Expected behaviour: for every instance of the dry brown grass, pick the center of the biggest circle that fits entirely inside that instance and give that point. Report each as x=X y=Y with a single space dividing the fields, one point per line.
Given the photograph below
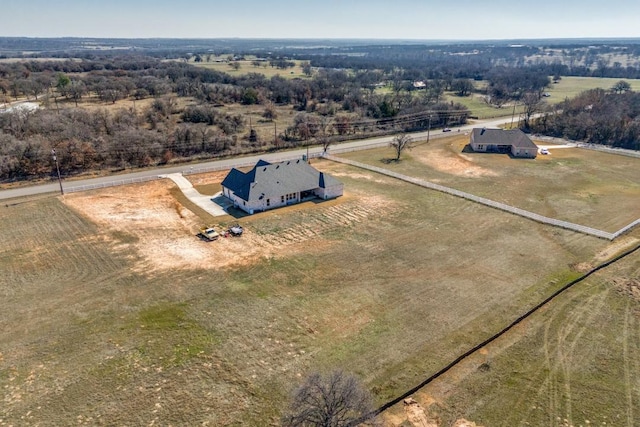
x=114 y=313
x=591 y=188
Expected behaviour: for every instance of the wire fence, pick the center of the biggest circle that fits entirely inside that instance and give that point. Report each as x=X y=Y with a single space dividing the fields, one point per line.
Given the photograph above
x=114 y=183
x=487 y=202
x=594 y=147
x=186 y=171
x=417 y=181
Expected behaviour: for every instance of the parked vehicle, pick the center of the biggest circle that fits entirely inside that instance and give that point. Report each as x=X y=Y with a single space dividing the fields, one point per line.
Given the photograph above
x=544 y=151
x=209 y=234
x=236 y=230
x=446 y=130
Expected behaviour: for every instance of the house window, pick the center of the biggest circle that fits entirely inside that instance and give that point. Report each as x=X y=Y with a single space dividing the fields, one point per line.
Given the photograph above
x=282 y=199
x=268 y=202
x=480 y=146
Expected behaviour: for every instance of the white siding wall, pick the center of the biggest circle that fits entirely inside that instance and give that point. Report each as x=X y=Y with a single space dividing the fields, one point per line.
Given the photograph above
x=330 y=192
x=277 y=202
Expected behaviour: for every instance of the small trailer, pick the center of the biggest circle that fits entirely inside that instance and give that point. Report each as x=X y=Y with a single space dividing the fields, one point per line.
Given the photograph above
x=236 y=230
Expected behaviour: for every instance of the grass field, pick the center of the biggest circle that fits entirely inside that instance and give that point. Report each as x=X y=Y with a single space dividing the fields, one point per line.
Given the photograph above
x=391 y=282
x=570 y=87
x=246 y=67
x=595 y=189
x=479 y=108
x=563 y=369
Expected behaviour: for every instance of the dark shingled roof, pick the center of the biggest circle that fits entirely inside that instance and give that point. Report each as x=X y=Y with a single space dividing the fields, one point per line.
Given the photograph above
x=277 y=179
x=513 y=137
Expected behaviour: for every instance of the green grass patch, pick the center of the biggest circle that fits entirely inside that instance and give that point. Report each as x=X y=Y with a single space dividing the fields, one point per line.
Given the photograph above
x=479 y=108
x=570 y=87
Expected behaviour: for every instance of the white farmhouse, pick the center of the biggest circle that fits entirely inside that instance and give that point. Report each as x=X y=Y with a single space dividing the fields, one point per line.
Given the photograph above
x=272 y=185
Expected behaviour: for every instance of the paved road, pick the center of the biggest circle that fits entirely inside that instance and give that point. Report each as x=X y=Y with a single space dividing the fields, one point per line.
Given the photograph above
x=54 y=187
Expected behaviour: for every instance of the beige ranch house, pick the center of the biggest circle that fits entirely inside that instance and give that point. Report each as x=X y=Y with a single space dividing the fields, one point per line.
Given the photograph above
x=512 y=141
x=272 y=185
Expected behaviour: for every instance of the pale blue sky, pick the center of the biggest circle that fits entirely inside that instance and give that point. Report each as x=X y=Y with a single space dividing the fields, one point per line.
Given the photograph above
x=388 y=19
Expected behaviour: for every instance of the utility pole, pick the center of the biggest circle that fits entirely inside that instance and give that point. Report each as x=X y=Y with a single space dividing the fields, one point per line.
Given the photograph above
x=513 y=114
x=55 y=159
x=429 y=129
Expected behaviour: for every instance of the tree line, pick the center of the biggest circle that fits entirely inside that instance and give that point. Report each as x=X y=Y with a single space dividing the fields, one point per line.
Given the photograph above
x=597 y=116
x=331 y=104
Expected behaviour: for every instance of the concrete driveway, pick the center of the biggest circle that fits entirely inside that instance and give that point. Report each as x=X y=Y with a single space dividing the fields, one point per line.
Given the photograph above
x=215 y=205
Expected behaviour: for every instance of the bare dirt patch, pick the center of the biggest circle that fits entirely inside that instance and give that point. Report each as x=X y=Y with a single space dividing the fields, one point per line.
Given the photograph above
x=610 y=251
x=628 y=287
x=360 y=176
x=416 y=415
x=454 y=164
x=616 y=247
x=148 y=219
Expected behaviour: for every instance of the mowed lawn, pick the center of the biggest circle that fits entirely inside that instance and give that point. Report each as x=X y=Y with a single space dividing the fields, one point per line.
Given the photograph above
x=591 y=188
x=390 y=282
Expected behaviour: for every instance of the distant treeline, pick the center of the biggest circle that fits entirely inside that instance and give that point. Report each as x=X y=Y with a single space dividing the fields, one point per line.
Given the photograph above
x=477 y=61
x=329 y=105
x=348 y=91
x=598 y=117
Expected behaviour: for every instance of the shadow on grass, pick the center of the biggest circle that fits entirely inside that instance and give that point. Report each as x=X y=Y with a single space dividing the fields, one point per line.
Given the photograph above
x=467 y=149
x=388 y=161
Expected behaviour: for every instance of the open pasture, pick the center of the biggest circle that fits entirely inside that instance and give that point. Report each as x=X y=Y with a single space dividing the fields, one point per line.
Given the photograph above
x=573 y=363
x=223 y=65
x=112 y=312
x=570 y=87
x=587 y=187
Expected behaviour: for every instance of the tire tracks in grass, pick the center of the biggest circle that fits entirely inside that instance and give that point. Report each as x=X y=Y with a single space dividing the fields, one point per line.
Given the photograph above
x=494 y=337
x=628 y=386
x=550 y=379
x=591 y=308
x=636 y=337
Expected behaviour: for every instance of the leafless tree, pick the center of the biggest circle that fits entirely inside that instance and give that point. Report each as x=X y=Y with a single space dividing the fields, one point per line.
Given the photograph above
x=335 y=400
x=270 y=112
x=76 y=90
x=533 y=103
x=400 y=143
x=325 y=141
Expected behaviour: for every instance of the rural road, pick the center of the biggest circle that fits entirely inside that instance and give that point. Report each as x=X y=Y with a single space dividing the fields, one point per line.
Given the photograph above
x=233 y=162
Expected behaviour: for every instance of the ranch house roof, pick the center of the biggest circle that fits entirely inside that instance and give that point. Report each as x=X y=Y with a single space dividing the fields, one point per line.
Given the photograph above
x=276 y=179
x=512 y=137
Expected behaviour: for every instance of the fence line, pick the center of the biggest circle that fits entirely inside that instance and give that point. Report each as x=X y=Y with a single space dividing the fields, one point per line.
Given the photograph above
x=589 y=146
x=487 y=202
x=115 y=183
x=490 y=340
x=627 y=228
x=189 y=171
x=420 y=182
